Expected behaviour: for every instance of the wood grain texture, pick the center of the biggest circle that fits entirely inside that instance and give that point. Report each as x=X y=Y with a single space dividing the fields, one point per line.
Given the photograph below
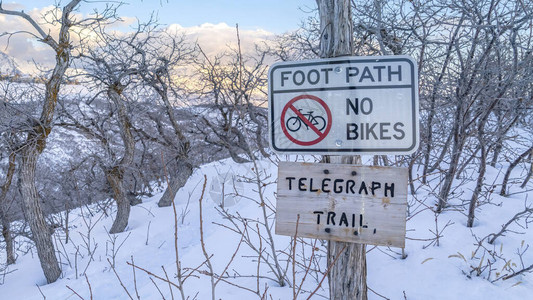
x=334 y=204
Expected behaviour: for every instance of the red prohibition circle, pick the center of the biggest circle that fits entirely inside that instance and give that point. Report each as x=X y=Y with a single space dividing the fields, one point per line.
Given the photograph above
x=321 y=134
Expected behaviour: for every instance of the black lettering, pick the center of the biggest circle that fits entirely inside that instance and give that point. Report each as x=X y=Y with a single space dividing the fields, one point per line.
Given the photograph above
x=283 y=77
x=302 y=77
x=383 y=130
x=290 y=179
x=343 y=219
x=374 y=187
x=318 y=213
x=317 y=76
x=379 y=68
x=301 y=184
x=350 y=184
x=361 y=220
x=353 y=220
x=331 y=217
x=353 y=106
x=311 y=186
x=351 y=131
x=363 y=188
x=325 y=185
x=350 y=74
x=337 y=188
x=370 y=130
x=326 y=73
x=370 y=106
x=366 y=74
x=398 y=72
x=399 y=130
x=389 y=188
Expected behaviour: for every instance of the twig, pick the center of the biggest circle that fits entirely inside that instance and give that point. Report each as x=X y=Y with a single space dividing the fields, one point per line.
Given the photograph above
x=160 y=293
x=148 y=233
x=152 y=274
x=259 y=258
x=377 y=293
x=530 y=268
x=119 y=280
x=68 y=287
x=204 y=251
x=513 y=219
x=309 y=266
x=44 y=297
x=89 y=284
x=176 y=249
x=327 y=272
x=294 y=258
x=168 y=281
x=232 y=258
x=134 y=279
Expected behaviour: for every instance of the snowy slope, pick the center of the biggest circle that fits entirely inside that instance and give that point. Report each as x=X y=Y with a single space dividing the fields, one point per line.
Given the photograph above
x=430 y=270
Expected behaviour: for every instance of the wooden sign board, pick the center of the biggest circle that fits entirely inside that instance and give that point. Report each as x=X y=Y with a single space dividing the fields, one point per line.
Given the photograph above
x=358 y=204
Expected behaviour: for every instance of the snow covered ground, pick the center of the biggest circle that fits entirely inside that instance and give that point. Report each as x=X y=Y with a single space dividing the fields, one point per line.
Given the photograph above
x=446 y=268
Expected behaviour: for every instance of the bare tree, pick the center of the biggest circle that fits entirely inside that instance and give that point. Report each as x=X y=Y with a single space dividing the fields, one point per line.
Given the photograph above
x=36 y=138
x=10 y=125
x=233 y=88
x=157 y=66
x=481 y=83
x=8 y=146
x=112 y=64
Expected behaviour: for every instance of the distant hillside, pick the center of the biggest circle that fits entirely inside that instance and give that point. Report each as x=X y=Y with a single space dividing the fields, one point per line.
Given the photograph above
x=10 y=71
x=8 y=67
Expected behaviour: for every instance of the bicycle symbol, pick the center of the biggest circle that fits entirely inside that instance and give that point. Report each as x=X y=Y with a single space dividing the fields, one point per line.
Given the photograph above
x=295 y=123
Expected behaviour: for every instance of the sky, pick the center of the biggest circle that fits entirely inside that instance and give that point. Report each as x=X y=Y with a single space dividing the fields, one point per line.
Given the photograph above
x=211 y=22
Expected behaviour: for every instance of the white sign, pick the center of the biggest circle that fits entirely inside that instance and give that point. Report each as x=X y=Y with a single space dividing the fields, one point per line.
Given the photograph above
x=344 y=105
x=339 y=202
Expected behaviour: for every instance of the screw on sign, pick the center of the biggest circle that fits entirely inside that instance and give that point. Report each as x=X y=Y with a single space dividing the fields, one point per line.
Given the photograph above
x=306 y=120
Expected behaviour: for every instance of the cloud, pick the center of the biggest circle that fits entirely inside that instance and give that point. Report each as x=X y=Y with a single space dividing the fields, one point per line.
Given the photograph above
x=20 y=39
x=216 y=38
x=26 y=50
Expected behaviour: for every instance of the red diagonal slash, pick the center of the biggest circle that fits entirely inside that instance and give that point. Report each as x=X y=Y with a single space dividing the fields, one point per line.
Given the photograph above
x=306 y=121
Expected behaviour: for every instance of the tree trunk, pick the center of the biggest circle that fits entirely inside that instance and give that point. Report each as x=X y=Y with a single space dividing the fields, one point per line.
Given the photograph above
x=4 y=207
x=347 y=277
x=336 y=28
x=36 y=141
x=458 y=141
x=412 y=161
x=115 y=178
x=529 y=173
x=33 y=213
x=513 y=164
x=483 y=162
x=115 y=175
x=185 y=168
x=479 y=184
x=32 y=148
x=183 y=173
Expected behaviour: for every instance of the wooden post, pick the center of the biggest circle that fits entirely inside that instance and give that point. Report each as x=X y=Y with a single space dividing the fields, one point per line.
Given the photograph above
x=347 y=278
